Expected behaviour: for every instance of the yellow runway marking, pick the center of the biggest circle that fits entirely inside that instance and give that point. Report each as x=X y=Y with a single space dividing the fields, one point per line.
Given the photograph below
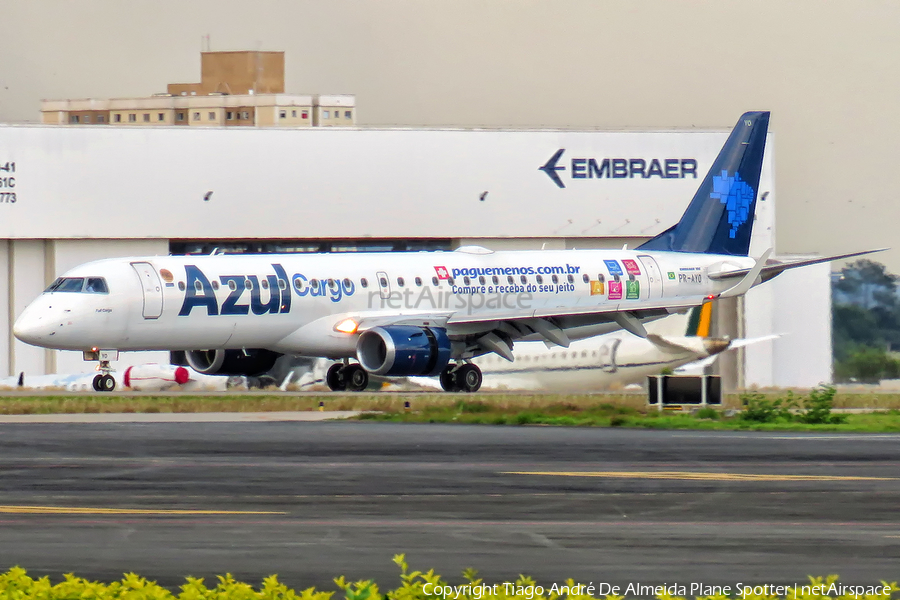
x=78 y=510
x=694 y=475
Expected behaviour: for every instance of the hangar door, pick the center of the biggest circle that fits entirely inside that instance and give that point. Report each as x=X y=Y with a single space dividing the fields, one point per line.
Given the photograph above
x=152 y=288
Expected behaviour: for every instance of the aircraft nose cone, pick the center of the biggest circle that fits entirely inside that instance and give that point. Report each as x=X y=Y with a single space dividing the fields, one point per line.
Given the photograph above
x=32 y=327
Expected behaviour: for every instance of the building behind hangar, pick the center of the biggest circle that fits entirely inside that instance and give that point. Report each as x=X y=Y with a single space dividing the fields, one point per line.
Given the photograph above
x=73 y=194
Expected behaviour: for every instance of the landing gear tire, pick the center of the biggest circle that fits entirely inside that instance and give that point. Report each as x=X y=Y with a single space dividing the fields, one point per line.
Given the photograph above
x=104 y=383
x=355 y=378
x=448 y=379
x=335 y=378
x=468 y=378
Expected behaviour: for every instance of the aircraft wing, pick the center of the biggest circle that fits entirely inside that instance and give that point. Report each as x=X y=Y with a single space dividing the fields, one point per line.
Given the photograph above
x=775 y=267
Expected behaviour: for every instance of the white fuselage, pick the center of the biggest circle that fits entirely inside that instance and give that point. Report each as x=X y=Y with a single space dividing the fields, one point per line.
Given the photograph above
x=606 y=362
x=291 y=303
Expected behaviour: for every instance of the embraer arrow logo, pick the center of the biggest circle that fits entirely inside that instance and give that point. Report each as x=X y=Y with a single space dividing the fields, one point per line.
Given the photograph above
x=550 y=168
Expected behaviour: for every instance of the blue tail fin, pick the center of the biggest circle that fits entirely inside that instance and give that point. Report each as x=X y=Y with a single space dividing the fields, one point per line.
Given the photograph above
x=720 y=217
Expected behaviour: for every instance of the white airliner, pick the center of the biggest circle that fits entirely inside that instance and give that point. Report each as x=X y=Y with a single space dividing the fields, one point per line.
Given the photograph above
x=146 y=377
x=410 y=314
x=612 y=360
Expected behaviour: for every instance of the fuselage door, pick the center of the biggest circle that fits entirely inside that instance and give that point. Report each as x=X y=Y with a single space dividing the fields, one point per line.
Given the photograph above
x=152 y=289
x=654 y=276
x=608 y=355
x=384 y=285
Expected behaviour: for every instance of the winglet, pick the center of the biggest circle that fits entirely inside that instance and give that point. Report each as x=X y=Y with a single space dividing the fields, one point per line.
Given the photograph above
x=747 y=282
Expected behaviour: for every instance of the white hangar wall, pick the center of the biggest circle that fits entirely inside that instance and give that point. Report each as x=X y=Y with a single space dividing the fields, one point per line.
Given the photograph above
x=83 y=193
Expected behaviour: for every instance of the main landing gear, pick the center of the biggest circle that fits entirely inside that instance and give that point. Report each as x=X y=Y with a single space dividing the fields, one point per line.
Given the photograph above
x=104 y=382
x=352 y=377
x=461 y=378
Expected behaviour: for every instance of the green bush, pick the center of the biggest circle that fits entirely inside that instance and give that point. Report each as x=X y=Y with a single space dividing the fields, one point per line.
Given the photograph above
x=416 y=585
x=757 y=409
x=708 y=413
x=817 y=407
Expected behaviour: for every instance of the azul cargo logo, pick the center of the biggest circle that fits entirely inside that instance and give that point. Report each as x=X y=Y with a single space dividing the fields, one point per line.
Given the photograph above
x=618 y=168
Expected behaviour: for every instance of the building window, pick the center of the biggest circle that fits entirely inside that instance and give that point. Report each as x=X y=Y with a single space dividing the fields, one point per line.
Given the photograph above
x=346 y=114
x=245 y=115
x=282 y=114
x=324 y=114
x=179 y=117
x=132 y=118
x=87 y=118
x=294 y=114
x=160 y=117
x=229 y=115
x=196 y=116
x=117 y=118
x=146 y=117
x=304 y=115
x=73 y=118
x=212 y=116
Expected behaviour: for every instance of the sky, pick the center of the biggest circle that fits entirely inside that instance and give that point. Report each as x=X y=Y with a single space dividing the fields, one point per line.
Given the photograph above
x=829 y=72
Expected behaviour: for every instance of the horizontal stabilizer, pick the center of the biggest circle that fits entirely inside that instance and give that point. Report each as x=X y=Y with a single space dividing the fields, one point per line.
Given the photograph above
x=775 y=267
x=668 y=346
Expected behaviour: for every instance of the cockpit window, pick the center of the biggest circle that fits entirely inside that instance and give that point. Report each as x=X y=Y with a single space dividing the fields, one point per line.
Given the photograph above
x=88 y=285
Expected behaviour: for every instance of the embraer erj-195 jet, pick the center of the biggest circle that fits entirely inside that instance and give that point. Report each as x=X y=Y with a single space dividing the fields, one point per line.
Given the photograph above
x=424 y=313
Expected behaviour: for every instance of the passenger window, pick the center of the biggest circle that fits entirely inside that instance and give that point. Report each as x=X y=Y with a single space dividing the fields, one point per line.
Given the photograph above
x=364 y=282
x=347 y=283
x=571 y=279
x=585 y=278
x=198 y=286
x=510 y=280
x=481 y=280
x=451 y=281
x=314 y=283
x=181 y=286
x=601 y=278
x=282 y=284
x=555 y=279
x=400 y=281
x=332 y=283
x=298 y=284
x=248 y=284
x=383 y=282
x=539 y=279
x=215 y=285
x=233 y=286
x=265 y=284
x=523 y=279
x=419 y=281
x=496 y=280
x=466 y=280
x=434 y=281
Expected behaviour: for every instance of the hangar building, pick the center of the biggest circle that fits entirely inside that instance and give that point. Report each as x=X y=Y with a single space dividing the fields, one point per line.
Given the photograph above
x=74 y=194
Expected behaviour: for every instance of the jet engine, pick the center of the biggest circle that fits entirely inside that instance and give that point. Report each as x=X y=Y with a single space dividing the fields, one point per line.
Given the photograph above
x=404 y=350
x=231 y=362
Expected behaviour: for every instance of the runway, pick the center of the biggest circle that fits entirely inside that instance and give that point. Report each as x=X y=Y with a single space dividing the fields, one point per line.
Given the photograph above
x=311 y=501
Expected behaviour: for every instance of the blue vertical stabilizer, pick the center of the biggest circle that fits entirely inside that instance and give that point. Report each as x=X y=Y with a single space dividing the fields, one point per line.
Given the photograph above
x=720 y=217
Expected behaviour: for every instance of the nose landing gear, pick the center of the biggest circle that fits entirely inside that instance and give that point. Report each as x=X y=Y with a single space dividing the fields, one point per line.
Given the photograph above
x=104 y=381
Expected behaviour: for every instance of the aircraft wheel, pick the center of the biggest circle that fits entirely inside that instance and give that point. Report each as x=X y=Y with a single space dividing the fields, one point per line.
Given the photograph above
x=104 y=383
x=335 y=378
x=356 y=378
x=468 y=378
x=448 y=379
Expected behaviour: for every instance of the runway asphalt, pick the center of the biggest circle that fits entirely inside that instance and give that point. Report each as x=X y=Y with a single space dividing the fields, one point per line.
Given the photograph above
x=311 y=501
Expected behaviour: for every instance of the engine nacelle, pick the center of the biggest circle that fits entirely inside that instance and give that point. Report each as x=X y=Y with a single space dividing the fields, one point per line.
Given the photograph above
x=231 y=362
x=404 y=350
